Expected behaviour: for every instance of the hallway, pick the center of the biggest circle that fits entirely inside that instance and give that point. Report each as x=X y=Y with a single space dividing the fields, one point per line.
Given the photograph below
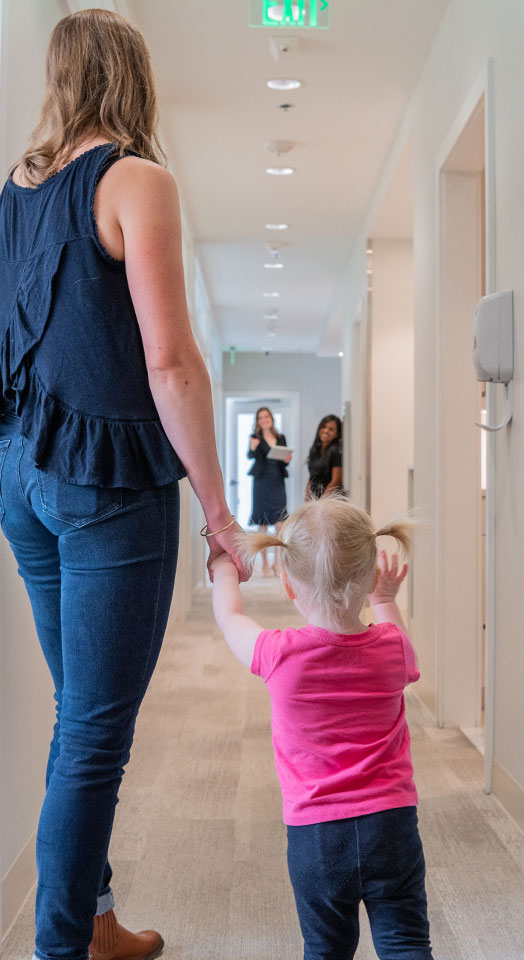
x=199 y=846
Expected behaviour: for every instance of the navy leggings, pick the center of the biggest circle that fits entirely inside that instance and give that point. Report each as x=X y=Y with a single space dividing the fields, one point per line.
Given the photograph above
x=377 y=859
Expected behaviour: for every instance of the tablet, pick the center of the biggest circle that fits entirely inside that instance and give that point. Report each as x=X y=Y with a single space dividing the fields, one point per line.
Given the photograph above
x=279 y=453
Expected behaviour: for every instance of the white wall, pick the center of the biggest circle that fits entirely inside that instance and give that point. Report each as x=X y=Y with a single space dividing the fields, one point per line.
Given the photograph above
x=392 y=373
x=316 y=379
x=472 y=31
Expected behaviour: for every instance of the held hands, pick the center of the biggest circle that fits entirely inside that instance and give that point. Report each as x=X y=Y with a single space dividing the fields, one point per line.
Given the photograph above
x=225 y=543
x=224 y=561
x=388 y=580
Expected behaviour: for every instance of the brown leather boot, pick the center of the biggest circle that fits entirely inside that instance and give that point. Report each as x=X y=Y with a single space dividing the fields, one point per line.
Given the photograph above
x=113 y=942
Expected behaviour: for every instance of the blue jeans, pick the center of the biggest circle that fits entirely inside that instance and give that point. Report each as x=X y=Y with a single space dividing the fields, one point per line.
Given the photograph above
x=99 y=567
x=376 y=858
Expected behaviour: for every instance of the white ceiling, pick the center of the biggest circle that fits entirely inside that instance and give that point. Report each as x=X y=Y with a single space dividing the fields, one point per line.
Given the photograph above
x=217 y=113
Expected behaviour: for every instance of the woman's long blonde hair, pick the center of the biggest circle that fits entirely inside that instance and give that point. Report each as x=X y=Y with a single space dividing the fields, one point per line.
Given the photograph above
x=257 y=431
x=329 y=546
x=99 y=81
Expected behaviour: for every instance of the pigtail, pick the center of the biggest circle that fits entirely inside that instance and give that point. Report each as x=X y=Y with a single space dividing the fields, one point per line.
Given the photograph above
x=402 y=531
x=249 y=544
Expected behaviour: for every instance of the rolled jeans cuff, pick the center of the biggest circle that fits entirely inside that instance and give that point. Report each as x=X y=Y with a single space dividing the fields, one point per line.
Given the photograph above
x=104 y=903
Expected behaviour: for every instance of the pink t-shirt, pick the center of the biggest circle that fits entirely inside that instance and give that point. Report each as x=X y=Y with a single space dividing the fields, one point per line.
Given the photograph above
x=340 y=735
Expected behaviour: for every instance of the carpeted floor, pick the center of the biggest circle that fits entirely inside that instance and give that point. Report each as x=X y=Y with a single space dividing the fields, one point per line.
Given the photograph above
x=198 y=849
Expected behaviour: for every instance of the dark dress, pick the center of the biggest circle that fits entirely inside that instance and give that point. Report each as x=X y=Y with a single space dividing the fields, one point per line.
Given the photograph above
x=269 y=490
x=321 y=468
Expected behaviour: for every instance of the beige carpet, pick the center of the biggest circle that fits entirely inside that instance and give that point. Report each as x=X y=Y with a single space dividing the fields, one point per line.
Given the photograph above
x=198 y=849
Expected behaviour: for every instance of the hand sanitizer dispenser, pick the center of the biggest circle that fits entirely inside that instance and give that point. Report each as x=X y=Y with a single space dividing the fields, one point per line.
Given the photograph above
x=493 y=345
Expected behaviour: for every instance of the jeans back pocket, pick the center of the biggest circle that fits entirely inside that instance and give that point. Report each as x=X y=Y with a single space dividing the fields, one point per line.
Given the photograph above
x=3 y=450
x=74 y=504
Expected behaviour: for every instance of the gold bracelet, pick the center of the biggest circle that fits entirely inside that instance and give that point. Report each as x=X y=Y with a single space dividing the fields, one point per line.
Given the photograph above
x=204 y=530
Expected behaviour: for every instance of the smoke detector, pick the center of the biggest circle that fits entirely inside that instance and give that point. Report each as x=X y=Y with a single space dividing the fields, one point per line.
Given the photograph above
x=282 y=48
x=279 y=147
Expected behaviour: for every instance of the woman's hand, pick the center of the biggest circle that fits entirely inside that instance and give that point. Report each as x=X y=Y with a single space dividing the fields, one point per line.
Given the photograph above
x=388 y=580
x=253 y=442
x=225 y=543
x=289 y=458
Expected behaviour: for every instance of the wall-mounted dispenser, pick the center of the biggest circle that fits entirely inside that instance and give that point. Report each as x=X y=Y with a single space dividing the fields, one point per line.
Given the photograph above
x=493 y=347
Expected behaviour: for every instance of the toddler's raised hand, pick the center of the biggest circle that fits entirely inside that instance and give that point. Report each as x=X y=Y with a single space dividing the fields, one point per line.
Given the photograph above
x=388 y=579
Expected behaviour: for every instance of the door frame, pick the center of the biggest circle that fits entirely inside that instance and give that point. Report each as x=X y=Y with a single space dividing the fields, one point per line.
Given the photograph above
x=484 y=90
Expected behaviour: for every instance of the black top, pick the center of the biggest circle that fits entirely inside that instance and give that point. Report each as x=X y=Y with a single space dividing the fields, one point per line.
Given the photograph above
x=321 y=467
x=72 y=362
x=260 y=456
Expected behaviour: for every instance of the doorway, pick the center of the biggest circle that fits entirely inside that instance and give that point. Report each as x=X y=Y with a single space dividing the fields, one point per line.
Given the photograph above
x=240 y=419
x=461 y=480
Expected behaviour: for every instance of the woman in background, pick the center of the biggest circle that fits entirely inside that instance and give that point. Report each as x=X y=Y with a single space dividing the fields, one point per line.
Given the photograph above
x=325 y=458
x=269 y=490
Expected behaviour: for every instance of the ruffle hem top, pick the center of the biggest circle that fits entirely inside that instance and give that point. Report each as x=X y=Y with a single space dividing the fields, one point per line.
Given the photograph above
x=72 y=364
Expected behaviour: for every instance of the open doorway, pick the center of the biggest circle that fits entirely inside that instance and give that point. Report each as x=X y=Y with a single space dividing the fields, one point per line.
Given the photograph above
x=462 y=477
x=240 y=419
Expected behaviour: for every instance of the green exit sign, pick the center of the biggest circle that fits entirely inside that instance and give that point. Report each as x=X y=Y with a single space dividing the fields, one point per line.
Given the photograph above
x=310 y=14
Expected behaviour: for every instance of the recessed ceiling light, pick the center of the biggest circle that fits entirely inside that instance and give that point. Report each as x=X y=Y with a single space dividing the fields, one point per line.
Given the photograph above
x=272 y=333
x=274 y=266
x=369 y=271
x=283 y=83
x=369 y=250
x=277 y=226
x=280 y=171
x=340 y=353
x=274 y=294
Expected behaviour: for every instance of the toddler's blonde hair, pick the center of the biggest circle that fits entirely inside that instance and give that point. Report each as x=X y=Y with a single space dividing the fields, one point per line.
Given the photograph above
x=329 y=545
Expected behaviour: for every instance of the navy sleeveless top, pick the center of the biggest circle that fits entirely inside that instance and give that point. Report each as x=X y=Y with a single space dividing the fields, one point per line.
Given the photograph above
x=72 y=364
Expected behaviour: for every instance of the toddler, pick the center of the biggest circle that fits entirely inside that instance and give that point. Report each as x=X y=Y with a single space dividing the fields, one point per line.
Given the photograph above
x=340 y=735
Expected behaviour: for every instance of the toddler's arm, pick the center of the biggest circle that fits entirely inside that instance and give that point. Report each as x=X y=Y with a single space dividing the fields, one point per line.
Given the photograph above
x=240 y=632
x=386 y=587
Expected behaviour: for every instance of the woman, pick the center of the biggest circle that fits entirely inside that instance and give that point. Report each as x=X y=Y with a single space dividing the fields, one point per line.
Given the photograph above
x=269 y=489
x=99 y=369
x=325 y=459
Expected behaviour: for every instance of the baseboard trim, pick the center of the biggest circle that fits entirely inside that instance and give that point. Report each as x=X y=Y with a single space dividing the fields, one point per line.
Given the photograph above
x=431 y=718
x=18 y=883
x=509 y=793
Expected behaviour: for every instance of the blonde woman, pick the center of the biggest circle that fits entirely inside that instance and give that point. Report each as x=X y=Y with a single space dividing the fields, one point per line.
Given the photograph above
x=339 y=729
x=269 y=489
x=99 y=369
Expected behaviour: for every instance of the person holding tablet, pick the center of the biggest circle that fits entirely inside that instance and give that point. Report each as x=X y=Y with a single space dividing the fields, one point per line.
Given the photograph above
x=269 y=490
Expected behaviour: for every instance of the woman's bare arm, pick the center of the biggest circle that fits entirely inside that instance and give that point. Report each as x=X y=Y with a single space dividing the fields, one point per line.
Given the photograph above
x=336 y=479
x=144 y=200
